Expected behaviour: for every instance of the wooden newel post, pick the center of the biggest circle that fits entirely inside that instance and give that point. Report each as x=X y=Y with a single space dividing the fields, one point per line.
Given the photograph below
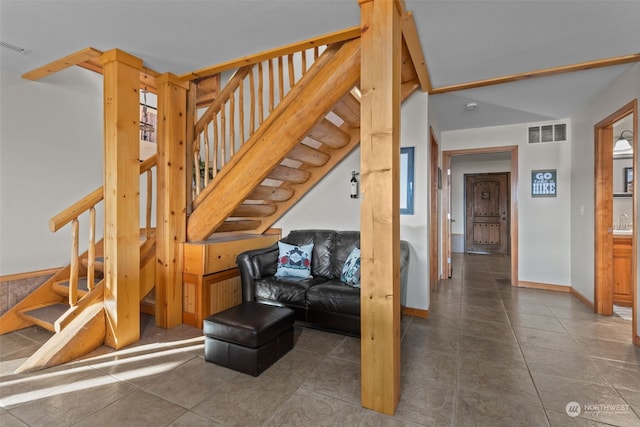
x=121 y=196
x=380 y=209
x=172 y=198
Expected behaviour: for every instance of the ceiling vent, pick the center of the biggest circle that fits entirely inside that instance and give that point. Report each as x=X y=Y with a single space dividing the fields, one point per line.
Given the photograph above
x=12 y=47
x=547 y=133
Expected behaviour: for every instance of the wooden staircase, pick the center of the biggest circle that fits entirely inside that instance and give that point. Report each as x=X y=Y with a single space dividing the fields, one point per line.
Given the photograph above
x=270 y=135
x=51 y=307
x=315 y=125
x=322 y=147
x=71 y=303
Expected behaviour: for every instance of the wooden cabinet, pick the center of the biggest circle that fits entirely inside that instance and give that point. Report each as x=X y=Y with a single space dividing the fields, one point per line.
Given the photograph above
x=211 y=280
x=622 y=290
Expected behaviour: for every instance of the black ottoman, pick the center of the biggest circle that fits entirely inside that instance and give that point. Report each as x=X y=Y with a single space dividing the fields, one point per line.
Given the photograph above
x=249 y=337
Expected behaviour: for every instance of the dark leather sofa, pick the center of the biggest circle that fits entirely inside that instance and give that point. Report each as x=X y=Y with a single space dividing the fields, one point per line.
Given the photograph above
x=321 y=300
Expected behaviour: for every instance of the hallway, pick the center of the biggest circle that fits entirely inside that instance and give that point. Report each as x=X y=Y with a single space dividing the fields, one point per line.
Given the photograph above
x=488 y=355
x=521 y=349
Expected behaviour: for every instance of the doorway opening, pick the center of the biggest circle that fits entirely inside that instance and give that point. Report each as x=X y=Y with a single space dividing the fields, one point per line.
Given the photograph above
x=508 y=153
x=616 y=240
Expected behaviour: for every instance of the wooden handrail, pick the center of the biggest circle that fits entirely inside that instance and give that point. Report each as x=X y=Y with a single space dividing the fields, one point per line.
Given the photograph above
x=335 y=37
x=148 y=163
x=69 y=214
x=72 y=212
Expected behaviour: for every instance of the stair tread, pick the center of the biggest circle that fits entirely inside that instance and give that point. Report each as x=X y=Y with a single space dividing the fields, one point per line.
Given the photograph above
x=82 y=283
x=48 y=313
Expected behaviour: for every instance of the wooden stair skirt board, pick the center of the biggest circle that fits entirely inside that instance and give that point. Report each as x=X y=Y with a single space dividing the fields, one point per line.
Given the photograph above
x=84 y=334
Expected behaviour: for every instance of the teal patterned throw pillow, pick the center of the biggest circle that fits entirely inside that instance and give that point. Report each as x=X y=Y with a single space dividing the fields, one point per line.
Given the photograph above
x=351 y=270
x=294 y=261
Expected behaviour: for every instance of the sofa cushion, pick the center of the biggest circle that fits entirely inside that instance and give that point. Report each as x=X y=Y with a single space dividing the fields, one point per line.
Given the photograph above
x=322 y=248
x=287 y=290
x=334 y=296
x=351 y=270
x=345 y=241
x=294 y=260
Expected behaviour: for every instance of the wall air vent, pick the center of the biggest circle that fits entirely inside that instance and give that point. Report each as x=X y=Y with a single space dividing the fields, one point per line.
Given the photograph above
x=547 y=133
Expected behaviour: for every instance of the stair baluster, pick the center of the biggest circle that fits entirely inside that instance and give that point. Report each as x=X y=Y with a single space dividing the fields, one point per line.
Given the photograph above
x=91 y=250
x=75 y=264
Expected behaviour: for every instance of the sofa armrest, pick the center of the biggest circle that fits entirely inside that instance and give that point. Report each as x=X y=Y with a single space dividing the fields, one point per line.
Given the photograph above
x=405 y=254
x=255 y=264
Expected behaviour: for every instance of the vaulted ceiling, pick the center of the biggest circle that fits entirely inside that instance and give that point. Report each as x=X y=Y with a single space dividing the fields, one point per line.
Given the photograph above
x=463 y=41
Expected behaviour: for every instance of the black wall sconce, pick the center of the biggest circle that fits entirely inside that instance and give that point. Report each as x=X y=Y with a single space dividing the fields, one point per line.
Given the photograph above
x=354 y=185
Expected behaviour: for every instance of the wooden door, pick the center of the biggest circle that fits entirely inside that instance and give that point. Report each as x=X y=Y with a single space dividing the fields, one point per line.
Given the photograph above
x=487 y=213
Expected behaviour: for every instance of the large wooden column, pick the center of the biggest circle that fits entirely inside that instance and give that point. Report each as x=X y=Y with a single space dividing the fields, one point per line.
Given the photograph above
x=171 y=220
x=121 y=196
x=380 y=209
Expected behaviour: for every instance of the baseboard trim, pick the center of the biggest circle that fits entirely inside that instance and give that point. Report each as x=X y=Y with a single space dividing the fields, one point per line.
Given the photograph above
x=544 y=286
x=415 y=312
x=557 y=288
x=29 y=274
x=582 y=298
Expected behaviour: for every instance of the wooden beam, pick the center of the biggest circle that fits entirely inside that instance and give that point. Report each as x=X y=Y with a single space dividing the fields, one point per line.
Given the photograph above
x=338 y=36
x=410 y=34
x=581 y=66
x=147 y=75
x=380 y=208
x=62 y=63
x=171 y=211
x=121 y=196
x=89 y=59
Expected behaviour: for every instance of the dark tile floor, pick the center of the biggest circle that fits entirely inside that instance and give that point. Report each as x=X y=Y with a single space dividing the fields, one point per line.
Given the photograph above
x=489 y=355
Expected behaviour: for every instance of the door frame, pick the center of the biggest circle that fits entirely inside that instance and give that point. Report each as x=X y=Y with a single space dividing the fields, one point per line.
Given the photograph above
x=603 y=237
x=434 y=208
x=446 y=204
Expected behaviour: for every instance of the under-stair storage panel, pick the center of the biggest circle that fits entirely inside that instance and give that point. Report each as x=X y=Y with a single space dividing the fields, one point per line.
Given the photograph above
x=211 y=280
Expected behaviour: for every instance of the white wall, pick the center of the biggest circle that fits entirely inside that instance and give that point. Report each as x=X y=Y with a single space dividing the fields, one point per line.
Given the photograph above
x=543 y=223
x=329 y=206
x=623 y=90
x=50 y=156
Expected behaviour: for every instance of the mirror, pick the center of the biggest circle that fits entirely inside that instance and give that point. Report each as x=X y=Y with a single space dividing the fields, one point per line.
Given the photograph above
x=623 y=145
